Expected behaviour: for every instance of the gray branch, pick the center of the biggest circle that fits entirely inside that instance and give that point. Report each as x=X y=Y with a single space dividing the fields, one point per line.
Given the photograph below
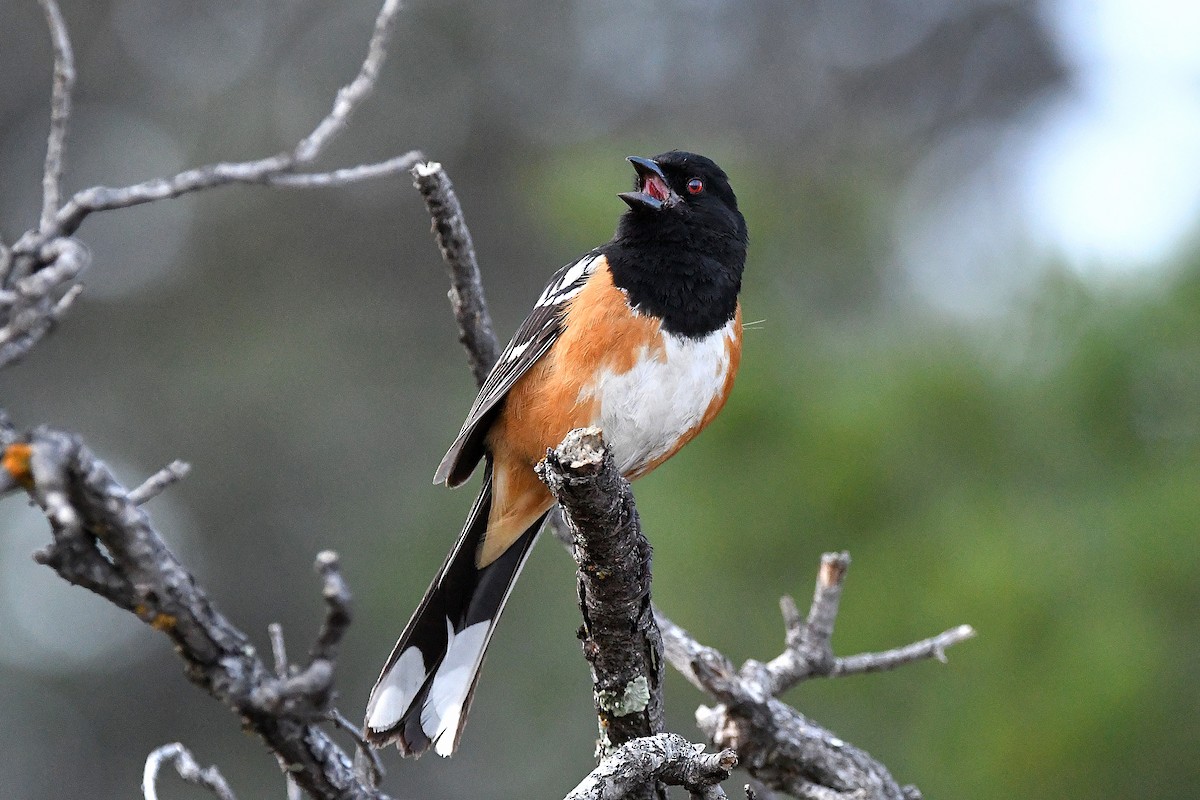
x=350 y=96
x=775 y=743
x=458 y=251
x=809 y=651
x=190 y=771
x=620 y=639
x=157 y=483
x=60 y=110
x=665 y=758
x=103 y=541
x=38 y=271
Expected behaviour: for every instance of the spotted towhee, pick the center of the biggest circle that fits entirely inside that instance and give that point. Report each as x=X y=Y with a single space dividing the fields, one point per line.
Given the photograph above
x=640 y=337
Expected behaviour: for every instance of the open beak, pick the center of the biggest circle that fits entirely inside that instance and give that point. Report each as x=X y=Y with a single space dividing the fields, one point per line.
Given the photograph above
x=653 y=193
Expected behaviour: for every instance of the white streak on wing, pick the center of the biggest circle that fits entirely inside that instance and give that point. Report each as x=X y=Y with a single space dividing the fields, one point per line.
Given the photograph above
x=644 y=411
x=516 y=351
x=452 y=683
x=396 y=690
x=555 y=294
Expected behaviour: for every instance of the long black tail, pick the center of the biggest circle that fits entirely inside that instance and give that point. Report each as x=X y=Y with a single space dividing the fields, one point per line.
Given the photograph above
x=424 y=692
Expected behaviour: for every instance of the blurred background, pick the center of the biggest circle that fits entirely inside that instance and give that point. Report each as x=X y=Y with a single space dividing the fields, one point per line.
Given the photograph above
x=975 y=262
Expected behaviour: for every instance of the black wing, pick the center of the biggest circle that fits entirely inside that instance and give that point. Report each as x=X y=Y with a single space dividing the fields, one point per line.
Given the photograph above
x=531 y=341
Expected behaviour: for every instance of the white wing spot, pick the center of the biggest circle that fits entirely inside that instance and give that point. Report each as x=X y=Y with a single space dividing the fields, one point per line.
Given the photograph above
x=515 y=353
x=558 y=291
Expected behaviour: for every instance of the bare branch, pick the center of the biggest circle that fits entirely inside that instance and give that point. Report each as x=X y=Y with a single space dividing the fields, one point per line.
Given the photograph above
x=42 y=263
x=307 y=692
x=337 y=605
x=353 y=93
x=933 y=647
x=809 y=650
x=348 y=175
x=157 y=483
x=664 y=758
x=87 y=508
x=620 y=639
x=458 y=251
x=185 y=764
x=274 y=170
x=365 y=753
x=278 y=649
x=282 y=669
x=60 y=110
x=777 y=744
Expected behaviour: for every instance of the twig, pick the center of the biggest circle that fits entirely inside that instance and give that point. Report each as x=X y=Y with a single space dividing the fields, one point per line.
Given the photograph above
x=185 y=764
x=279 y=651
x=665 y=758
x=458 y=251
x=347 y=175
x=620 y=639
x=352 y=94
x=307 y=692
x=60 y=110
x=30 y=312
x=365 y=750
x=272 y=171
x=933 y=647
x=158 y=482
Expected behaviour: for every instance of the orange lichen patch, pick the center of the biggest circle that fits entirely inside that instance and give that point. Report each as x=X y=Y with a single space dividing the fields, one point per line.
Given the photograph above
x=16 y=463
x=160 y=622
x=733 y=353
x=163 y=622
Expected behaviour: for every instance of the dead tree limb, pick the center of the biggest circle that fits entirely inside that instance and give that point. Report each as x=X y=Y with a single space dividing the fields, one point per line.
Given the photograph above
x=104 y=542
x=38 y=271
x=620 y=639
x=777 y=744
x=458 y=251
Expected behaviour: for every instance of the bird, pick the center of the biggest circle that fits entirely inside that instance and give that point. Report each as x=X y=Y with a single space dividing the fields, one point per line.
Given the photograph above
x=641 y=338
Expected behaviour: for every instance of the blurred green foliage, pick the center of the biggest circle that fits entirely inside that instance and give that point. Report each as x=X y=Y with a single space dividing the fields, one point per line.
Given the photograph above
x=1042 y=487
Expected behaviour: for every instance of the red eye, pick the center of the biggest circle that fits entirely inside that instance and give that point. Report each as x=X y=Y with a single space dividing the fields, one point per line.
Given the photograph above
x=695 y=186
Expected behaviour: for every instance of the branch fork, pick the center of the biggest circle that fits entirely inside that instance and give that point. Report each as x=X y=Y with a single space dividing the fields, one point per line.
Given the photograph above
x=777 y=744
x=38 y=271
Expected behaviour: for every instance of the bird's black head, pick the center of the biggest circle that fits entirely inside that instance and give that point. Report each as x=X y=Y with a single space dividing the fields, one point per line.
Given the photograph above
x=678 y=191
x=680 y=249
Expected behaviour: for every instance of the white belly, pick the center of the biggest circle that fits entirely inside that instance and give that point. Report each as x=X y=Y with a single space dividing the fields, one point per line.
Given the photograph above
x=645 y=411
